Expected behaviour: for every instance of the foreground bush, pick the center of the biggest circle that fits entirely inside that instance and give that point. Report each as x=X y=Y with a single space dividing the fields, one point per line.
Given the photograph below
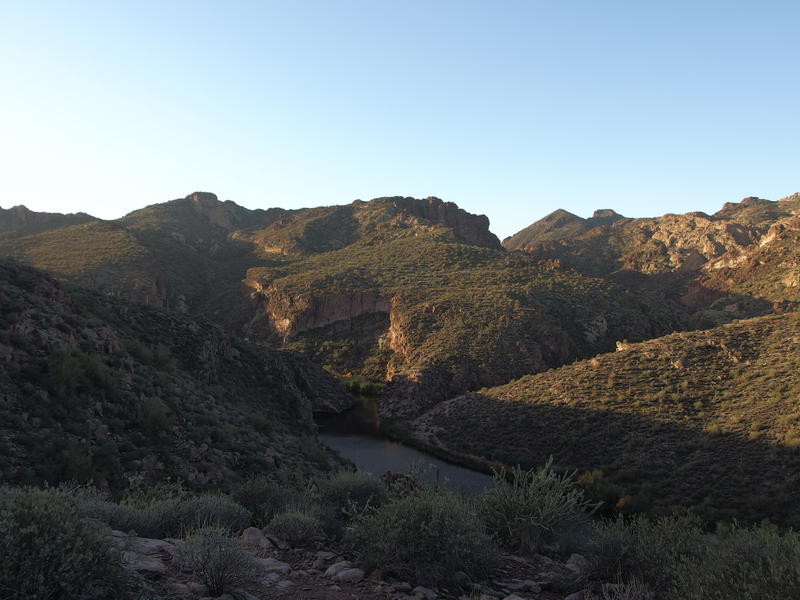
x=677 y=560
x=349 y=494
x=537 y=510
x=220 y=563
x=47 y=552
x=265 y=498
x=427 y=537
x=166 y=517
x=300 y=529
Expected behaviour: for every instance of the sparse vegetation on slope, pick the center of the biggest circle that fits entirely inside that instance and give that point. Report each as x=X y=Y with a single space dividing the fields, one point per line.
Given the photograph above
x=703 y=419
x=95 y=388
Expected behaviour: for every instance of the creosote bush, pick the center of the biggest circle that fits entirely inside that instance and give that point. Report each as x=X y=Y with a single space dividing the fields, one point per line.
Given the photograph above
x=298 y=528
x=219 y=561
x=168 y=517
x=677 y=560
x=47 y=552
x=536 y=510
x=427 y=536
x=349 y=494
x=265 y=498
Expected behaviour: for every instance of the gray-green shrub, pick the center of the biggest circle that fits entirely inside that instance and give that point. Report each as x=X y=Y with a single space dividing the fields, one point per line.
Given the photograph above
x=297 y=527
x=219 y=561
x=745 y=563
x=167 y=517
x=47 y=552
x=654 y=551
x=348 y=494
x=427 y=536
x=536 y=510
x=265 y=498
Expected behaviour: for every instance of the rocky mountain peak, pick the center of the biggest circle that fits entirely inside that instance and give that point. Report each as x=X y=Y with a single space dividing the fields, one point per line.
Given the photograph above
x=203 y=198
x=606 y=213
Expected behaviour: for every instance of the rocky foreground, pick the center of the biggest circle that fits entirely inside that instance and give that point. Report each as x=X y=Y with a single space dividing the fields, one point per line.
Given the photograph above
x=305 y=573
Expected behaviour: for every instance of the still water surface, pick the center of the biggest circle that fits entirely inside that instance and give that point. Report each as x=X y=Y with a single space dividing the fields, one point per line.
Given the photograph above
x=355 y=434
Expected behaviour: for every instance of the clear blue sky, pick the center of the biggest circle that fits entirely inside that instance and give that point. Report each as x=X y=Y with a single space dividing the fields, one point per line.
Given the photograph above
x=511 y=109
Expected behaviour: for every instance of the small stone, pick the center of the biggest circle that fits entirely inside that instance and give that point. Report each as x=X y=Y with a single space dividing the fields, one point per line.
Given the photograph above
x=277 y=542
x=578 y=563
x=335 y=588
x=402 y=587
x=461 y=579
x=253 y=536
x=423 y=592
x=178 y=589
x=142 y=563
x=284 y=584
x=576 y=596
x=350 y=575
x=513 y=597
x=334 y=569
x=198 y=589
x=273 y=565
x=324 y=555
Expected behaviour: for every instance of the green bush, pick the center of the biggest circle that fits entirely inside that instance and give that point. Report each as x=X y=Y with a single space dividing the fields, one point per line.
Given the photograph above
x=747 y=563
x=47 y=552
x=298 y=528
x=170 y=517
x=652 y=551
x=427 y=536
x=676 y=559
x=537 y=510
x=349 y=494
x=265 y=498
x=220 y=563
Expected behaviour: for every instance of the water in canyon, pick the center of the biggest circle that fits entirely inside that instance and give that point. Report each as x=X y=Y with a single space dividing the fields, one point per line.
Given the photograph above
x=355 y=435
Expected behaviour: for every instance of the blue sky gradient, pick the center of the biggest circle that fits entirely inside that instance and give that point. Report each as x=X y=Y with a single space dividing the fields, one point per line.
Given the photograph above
x=508 y=108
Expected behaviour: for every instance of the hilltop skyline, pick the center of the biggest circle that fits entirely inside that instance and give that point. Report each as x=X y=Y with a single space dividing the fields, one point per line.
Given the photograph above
x=511 y=110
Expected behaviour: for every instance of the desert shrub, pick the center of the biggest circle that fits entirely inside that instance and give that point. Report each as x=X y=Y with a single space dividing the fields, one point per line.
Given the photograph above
x=174 y=517
x=633 y=590
x=265 y=498
x=349 y=494
x=47 y=552
x=298 y=528
x=427 y=536
x=747 y=563
x=677 y=560
x=653 y=551
x=218 y=561
x=169 y=517
x=536 y=510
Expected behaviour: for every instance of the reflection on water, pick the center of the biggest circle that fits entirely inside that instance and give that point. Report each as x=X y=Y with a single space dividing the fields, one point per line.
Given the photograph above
x=355 y=435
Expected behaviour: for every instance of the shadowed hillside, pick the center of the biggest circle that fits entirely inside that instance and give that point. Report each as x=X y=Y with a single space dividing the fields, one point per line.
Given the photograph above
x=97 y=388
x=708 y=419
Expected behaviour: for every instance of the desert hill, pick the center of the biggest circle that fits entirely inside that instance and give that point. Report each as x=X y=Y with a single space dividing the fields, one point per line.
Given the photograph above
x=707 y=419
x=94 y=388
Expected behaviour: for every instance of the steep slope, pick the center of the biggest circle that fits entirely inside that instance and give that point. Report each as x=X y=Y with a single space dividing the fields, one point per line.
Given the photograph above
x=706 y=419
x=93 y=387
x=436 y=317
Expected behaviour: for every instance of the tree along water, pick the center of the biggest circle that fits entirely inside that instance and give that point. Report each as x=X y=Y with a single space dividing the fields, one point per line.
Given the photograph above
x=355 y=434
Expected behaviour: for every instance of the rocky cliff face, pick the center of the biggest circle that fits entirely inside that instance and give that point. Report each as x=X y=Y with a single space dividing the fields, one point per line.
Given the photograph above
x=609 y=243
x=473 y=229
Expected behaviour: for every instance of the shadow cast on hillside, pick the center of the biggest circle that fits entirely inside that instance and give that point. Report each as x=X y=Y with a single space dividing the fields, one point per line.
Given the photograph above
x=661 y=464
